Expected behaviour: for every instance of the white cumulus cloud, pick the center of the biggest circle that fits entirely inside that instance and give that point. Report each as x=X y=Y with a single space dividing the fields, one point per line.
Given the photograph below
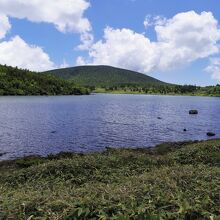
x=66 y=15
x=180 y=40
x=187 y=37
x=5 y=26
x=214 y=68
x=17 y=52
x=123 y=48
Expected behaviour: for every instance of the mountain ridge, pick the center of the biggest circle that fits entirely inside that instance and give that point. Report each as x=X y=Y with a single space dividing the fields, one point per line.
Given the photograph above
x=102 y=75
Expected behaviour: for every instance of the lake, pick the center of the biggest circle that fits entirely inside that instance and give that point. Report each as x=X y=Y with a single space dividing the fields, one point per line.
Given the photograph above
x=45 y=125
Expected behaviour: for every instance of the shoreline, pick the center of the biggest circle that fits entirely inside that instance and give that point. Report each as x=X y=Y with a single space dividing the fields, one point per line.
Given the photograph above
x=117 y=93
x=161 y=94
x=171 y=145
x=170 y=181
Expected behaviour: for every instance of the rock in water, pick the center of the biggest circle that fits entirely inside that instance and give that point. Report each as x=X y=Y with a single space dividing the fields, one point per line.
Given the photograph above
x=193 y=112
x=210 y=134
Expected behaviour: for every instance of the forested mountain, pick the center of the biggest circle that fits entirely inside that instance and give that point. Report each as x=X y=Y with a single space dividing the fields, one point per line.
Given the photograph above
x=105 y=76
x=81 y=80
x=115 y=80
x=14 y=81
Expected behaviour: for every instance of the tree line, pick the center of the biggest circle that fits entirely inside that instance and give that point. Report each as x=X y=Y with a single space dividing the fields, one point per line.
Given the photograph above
x=166 y=89
x=14 y=81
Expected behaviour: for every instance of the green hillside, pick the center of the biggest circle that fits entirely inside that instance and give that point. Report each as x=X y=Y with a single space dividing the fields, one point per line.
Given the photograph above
x=107 y=79
x=104 y=76
x=14 y=81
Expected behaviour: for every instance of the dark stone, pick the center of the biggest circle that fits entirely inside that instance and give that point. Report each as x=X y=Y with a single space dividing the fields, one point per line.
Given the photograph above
x=193 y=112
x=210 y=134
x=184 y=129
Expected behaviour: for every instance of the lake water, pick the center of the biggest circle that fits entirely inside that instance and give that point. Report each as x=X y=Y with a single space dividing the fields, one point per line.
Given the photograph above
x=44 y=125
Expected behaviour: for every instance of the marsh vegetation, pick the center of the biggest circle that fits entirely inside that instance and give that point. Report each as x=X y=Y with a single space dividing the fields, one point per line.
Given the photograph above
x=170 y=181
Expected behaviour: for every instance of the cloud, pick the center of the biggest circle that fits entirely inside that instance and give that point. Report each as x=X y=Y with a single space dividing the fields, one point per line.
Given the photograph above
x=147 y=21
x=87 y=40
x=123 y=48
x=214 y=68
x=180 y=40
x=17 y=52
x=187 y=37
x=154 y=20
x=81 y=61
x=66 y=15
x=5 y=26
x=159 y=20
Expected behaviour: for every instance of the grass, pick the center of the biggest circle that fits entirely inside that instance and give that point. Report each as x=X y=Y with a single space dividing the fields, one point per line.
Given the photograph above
x=170 y=181
x=102 y=90
x=129 y=91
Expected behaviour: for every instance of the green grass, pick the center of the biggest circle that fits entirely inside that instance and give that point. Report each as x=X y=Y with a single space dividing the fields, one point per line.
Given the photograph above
x=170 y=181
x=120 y=91
x=141 y=92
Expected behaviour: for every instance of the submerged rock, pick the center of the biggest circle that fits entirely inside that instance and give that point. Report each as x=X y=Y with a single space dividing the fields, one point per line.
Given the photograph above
x=193 y=112
x=1 y=154
x=210 y=134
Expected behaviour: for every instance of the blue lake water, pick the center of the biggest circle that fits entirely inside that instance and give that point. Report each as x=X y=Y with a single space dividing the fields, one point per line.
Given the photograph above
x=44 y=125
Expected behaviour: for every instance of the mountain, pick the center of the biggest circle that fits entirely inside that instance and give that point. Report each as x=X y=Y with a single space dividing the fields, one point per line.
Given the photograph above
x=104 y=76
x=14 y=81
x=115 y=80
x=72 y=81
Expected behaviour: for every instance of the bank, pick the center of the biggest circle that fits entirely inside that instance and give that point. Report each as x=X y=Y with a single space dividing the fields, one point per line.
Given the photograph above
x=171 y=181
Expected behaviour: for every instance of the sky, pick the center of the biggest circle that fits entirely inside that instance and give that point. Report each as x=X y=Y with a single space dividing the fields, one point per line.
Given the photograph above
x=172 y=40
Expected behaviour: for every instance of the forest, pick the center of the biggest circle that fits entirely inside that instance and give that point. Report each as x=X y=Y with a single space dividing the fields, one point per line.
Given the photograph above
x=168 y=89
x=14 y=81
x=108 y=79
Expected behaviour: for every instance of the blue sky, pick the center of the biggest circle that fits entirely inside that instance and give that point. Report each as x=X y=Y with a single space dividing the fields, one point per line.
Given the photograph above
x=45 y=43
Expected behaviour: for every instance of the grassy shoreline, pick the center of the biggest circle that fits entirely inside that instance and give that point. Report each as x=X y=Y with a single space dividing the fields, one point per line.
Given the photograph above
x=171 y=181
x=99 y=90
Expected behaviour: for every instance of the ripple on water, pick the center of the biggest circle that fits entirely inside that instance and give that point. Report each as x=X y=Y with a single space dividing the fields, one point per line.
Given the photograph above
x=35 y=125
